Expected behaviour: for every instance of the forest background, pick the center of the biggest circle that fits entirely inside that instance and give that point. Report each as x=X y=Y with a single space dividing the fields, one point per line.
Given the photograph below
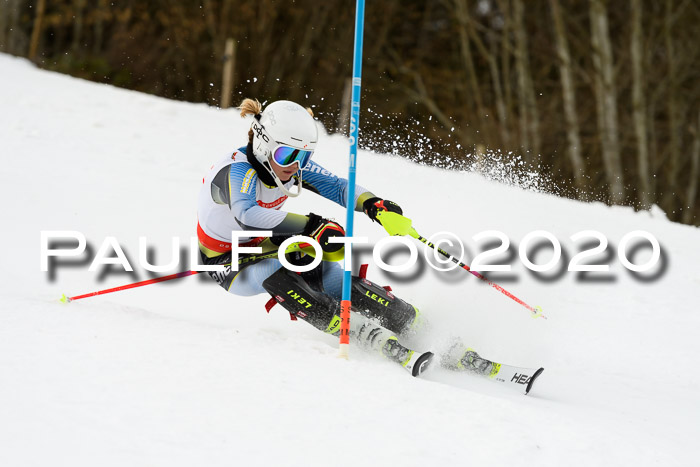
x=599 y=97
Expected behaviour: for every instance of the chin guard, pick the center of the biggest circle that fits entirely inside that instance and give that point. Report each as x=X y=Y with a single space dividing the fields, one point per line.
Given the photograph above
x=279 y=182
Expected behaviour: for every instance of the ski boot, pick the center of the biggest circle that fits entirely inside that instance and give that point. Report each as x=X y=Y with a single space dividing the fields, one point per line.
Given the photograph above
x=458 y=358
x=372 y=336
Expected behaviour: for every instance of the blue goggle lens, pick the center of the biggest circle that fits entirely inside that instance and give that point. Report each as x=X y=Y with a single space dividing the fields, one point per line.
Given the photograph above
x=286 y=156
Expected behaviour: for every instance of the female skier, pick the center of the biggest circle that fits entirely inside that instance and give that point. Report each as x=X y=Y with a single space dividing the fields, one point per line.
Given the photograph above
x=246 y=191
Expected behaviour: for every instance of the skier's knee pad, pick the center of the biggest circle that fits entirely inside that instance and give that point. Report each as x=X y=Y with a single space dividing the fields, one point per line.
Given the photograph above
x=376 y=302
x=303 y=301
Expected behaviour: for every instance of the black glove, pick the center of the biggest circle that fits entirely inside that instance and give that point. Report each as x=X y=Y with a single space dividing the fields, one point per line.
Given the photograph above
x=372 y=205
x=322 y=230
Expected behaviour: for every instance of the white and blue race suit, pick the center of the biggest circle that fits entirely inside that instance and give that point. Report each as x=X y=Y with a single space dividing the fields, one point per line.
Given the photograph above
x=234 y=197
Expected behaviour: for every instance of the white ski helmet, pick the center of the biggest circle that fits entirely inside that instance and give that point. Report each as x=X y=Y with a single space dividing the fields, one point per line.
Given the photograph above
x=286 y=133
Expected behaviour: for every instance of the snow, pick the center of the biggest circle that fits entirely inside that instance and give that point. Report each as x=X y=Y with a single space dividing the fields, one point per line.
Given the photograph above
x=182 y=373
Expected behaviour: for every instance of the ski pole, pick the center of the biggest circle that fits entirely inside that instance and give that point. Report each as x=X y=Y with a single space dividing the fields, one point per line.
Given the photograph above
x=536 y=310
x=294 y=247
x=177 y=275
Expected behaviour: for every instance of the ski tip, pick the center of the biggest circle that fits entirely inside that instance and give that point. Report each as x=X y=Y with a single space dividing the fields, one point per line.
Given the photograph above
x=422 y=363
x=64 y=299
x=532 y=380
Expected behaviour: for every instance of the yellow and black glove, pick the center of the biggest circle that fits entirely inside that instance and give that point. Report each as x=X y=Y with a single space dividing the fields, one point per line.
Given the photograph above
x=374 y=205
x=322 y=230
x=388 y=214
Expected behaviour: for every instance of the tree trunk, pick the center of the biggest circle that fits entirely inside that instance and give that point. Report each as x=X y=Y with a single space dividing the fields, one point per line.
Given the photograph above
x=100 y=14
x=573 y=132
x=653 y=146
x=462 y=15
x=692 y=194
x=382 y=33
x=78 y=8
x=16 y=40
x=529 y=117
x=639 y=106
x=4 y=26
x=672 y=100
x=263 y=39
x=344 y=116
x=606 y=101
x=227 y=78
x=36 y=30
x=495 y=79
x=310 y=40
x=505 y=67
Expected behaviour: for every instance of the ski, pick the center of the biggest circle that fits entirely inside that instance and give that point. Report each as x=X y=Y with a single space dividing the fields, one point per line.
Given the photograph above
x=515 y=377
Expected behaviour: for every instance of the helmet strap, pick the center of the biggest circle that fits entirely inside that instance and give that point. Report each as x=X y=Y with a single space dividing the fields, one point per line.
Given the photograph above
x=279 y=182
x=263 y=169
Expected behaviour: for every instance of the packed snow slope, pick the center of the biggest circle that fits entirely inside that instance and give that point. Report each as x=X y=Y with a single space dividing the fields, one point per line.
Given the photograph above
x=183 y=373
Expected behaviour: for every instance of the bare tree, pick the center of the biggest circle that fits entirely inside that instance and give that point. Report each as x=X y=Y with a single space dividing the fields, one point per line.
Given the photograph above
x=529 y=117
x=569 y=97
x=312 y=35
x=485 y=70
x=420 y=93
x=639 y=105
x=8 y=16
x=78 y=8
x=36 y=30
x=16 y=37
x=492 y=61
x=506 y=56
x=672 y=101
x=691 y=196
x=474 y=92
x=4 y=26
x=606 y=100
x=98 y=26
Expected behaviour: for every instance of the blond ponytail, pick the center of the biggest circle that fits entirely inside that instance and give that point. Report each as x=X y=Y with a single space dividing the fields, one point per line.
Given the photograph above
x=250 y=107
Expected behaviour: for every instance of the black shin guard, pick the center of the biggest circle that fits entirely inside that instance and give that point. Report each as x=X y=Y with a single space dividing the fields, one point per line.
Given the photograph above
x=374 y=301
x=304 y=297
x=304 y=301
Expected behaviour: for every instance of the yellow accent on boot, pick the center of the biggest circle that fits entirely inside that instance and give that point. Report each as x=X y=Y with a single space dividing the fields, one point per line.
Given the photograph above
x=409 y=354
x=459 y=362
x=494 y=369
x=408 y=357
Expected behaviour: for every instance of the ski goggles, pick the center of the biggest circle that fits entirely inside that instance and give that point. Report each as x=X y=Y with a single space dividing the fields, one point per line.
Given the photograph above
x=285 y=156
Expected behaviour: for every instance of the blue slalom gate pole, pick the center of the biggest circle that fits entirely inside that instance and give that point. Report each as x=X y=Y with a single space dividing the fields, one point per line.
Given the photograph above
x=350 y=217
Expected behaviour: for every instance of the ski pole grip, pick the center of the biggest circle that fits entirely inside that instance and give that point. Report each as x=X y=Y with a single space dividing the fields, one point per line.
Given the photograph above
x=394 y=223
